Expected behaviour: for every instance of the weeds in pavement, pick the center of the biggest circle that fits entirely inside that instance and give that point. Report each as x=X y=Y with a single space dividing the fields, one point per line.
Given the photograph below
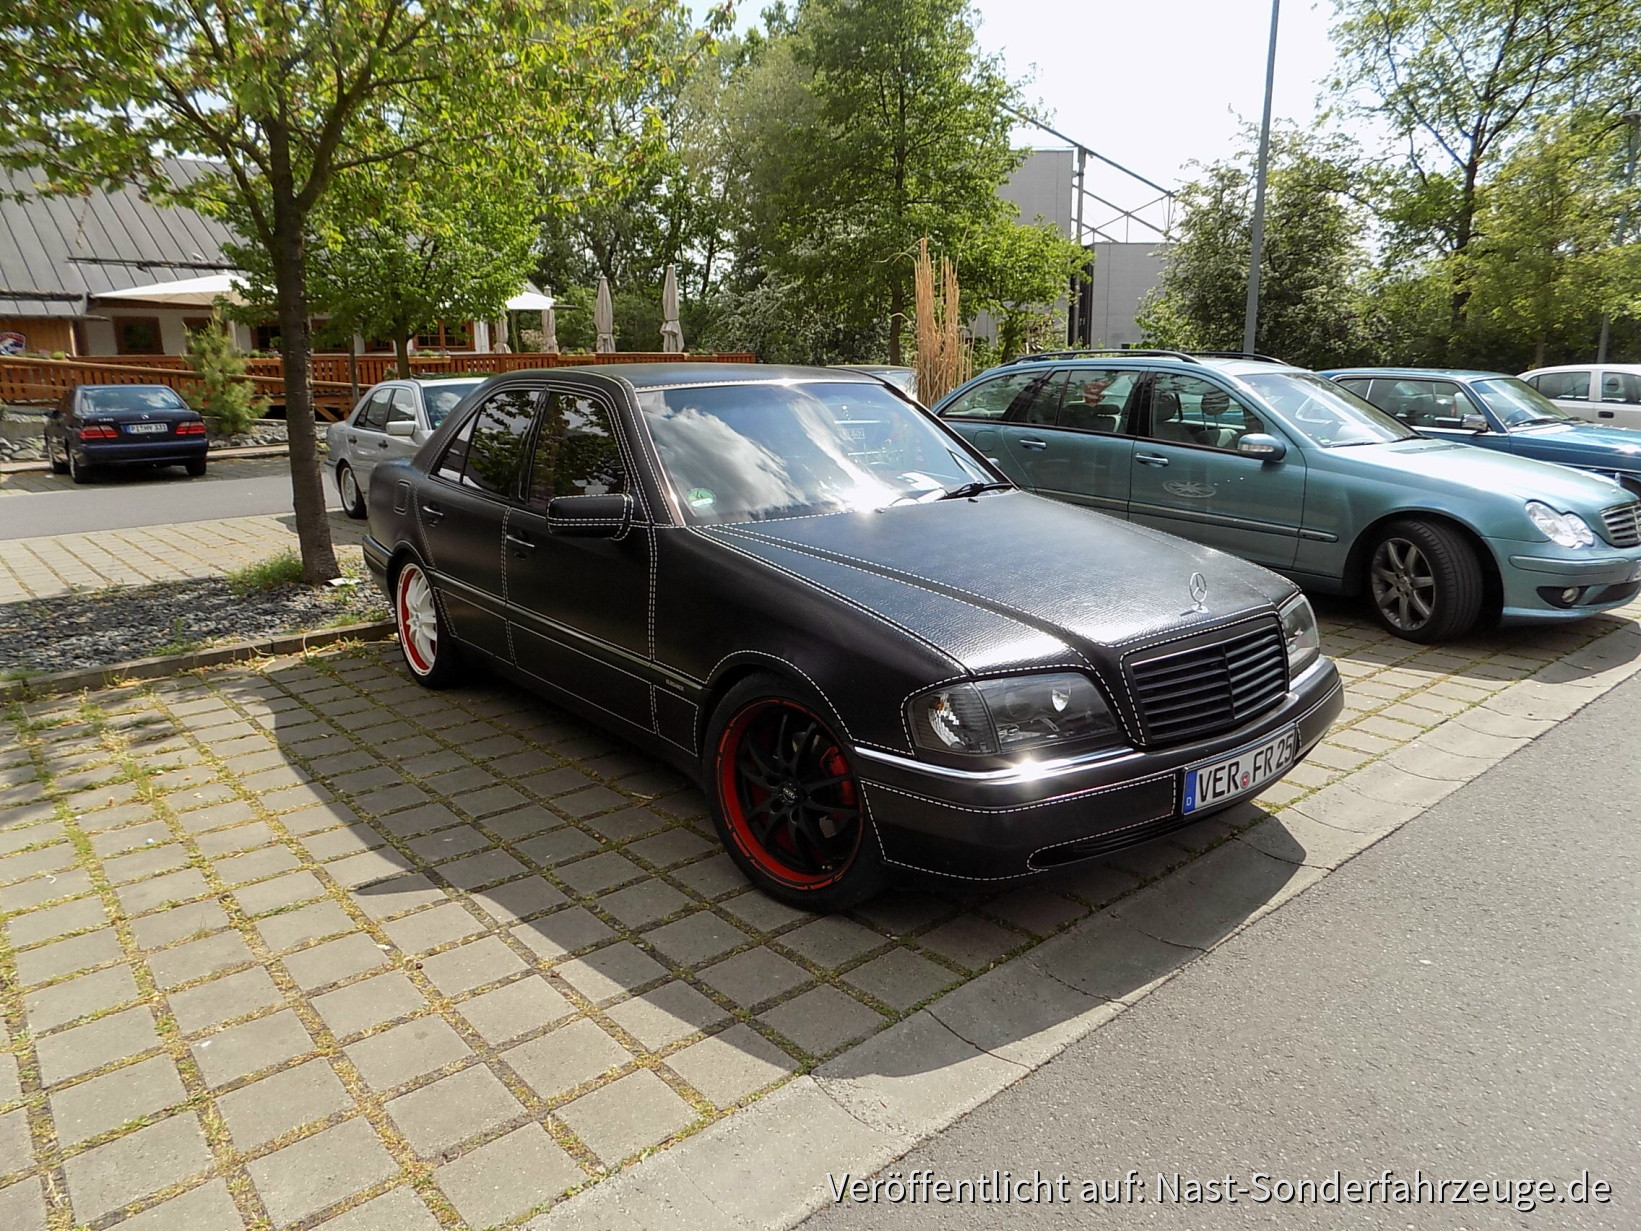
x=285 y=569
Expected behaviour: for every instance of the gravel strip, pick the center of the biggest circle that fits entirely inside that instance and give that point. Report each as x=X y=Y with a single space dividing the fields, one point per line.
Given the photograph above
x=97 y=629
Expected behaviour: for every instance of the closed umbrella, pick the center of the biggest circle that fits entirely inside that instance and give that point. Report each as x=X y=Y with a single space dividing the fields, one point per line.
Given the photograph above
x=501 y=347
x=672 y=333
x=604 y=319
x=549 y=332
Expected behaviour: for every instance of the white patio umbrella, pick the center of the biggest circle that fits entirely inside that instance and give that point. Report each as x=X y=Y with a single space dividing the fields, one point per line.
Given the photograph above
x=672 y=332
x=182 y=293
x=530 y=300
x=604 y=318
x=549 y=332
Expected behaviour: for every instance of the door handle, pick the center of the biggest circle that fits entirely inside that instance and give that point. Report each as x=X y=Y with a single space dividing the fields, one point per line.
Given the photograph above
x=381 y=444
x=1031 y=442
x=432 y=512
x=521 y=547
x=1605 y=414
x=1150 y=459
x=353 y=440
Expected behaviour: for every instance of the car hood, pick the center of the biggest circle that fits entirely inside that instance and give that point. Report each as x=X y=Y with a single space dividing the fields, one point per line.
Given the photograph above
x=1619 y=447
x=1481 y=472
x=1072 y=573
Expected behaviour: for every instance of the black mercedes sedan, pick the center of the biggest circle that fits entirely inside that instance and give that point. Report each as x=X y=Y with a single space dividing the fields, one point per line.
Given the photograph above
x=875 y=654
x=123 y=425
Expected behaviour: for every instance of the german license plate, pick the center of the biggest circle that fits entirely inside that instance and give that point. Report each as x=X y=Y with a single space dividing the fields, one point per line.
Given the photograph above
x=145 y=429
x=1240 y=773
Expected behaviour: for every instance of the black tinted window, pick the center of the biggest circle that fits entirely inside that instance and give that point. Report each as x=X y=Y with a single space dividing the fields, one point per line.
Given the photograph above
x=1086 y=399
x=374 y=417
x=454 y=460
x=576 y=451
x=134 y=397
x=497 y=444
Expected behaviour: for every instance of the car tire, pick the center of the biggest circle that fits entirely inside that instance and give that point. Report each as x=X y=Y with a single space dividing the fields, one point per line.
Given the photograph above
x=195 y=467
x=1424 y=581
x=430 y=652
x=778 y=780
x=77 y=472
x=347 y=486
x=58 y=465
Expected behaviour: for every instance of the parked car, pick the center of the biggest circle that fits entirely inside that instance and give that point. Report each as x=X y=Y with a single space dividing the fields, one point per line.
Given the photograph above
x=873 y=652
x=1608 y=393
x=392 y=420
x=94 y=426
x=1282 y=466
x=1498 y=412
x=904 y=379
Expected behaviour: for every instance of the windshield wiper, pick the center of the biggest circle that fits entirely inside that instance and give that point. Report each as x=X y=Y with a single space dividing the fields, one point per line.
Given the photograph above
x=974 y=489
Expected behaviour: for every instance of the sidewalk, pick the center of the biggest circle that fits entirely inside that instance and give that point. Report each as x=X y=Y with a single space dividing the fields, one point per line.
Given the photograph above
x=310 y=945
x=59 y=564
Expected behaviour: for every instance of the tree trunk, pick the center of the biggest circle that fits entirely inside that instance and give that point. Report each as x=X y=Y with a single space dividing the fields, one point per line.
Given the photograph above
x=897 y=319
x=307 y=484
x=401 y=348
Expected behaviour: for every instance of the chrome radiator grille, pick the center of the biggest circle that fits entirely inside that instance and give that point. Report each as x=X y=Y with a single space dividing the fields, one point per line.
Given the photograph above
x=1622 y=525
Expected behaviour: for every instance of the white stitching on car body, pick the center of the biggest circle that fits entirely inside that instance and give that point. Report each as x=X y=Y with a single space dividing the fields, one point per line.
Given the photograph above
x=1054 y=801
x=821 y=692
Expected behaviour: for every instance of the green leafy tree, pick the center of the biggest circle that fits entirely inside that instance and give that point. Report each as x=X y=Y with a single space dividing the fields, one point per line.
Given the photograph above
x=223 y=396
x=873 y=123
x=1016 y=272
x=1312 y=271
x=289 y=98
x=1463 y=83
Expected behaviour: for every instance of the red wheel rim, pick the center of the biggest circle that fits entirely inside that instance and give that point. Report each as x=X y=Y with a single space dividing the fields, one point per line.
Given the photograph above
x=417 y=618
x=792 y=804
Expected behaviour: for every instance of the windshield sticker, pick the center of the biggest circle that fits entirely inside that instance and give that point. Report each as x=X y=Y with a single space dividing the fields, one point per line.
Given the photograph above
x=701 y=498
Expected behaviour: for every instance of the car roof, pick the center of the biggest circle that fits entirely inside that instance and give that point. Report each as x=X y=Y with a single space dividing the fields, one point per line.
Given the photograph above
x=167 y=388
x=672 y=375
x=1588 y=367
x=1454 y=373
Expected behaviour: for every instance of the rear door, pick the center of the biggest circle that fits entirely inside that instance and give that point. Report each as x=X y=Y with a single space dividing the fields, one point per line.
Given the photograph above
x=1620 y=398
x=401 y=409
x=1070 y=437
x=462 y=510
x=362 y=436
x=1189 y=480
x=978 y=413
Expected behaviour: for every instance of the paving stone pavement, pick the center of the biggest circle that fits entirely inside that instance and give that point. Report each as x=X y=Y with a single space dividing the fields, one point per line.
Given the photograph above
x=60 y=564
x=304 y=945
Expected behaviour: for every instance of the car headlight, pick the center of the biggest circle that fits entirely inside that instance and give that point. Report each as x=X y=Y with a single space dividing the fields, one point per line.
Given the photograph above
x=1563 y=529
x=997 y=717
x=1299 y=635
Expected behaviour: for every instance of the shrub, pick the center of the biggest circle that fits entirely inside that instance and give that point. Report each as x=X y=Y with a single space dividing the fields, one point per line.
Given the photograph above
x=285 y=569
x=222 y=395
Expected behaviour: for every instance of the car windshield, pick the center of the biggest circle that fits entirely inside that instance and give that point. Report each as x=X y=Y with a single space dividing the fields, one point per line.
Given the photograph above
x=134 y=397
x=1327 y=414
x=1518 y=404
x=756 y=451
x=442 y=398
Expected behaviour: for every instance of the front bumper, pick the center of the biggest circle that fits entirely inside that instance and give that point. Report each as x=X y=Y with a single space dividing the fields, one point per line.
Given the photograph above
x=1534 y=584
x=1002 y=825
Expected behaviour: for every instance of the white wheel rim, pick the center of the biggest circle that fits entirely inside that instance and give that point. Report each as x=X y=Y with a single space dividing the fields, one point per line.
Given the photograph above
x=418 y=620
x=350 y=487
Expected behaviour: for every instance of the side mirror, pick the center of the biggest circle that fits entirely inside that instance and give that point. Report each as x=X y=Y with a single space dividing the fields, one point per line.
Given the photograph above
x=590 y=517
x=1266 y=448
x=402 y=427
x=1474 y=423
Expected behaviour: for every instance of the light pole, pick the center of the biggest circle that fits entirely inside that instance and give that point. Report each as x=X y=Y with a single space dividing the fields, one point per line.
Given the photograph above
x=1250 y=320
x=1633 y=119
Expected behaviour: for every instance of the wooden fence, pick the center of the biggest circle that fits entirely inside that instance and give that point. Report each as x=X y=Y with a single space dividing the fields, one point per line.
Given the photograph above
x=26 y=380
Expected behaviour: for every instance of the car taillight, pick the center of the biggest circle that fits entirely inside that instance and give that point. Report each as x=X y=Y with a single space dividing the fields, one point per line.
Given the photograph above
x=190 y=429
x=98 y=431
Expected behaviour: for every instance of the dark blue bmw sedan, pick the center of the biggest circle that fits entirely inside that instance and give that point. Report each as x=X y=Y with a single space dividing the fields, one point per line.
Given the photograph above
x=121 y=425
x=1497 y=412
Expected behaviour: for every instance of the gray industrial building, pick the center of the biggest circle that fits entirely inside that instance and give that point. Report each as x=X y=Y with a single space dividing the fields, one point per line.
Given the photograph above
x=1127 y=246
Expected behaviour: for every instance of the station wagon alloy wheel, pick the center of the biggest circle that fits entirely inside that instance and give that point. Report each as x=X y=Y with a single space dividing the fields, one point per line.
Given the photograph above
x=1403 y=585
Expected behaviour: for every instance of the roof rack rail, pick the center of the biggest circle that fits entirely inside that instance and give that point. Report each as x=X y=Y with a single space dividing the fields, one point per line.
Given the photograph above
x=1240 y=354
x=1084 y=354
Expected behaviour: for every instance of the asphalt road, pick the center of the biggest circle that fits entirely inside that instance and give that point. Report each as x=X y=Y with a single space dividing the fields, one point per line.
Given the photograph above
x=1461 y=1000
x=149 y=497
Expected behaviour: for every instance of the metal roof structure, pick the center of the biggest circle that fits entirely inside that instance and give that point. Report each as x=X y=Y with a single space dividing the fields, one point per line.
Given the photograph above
x=55 y=251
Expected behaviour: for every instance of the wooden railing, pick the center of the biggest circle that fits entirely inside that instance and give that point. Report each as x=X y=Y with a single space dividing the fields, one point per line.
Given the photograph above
x=25 y=380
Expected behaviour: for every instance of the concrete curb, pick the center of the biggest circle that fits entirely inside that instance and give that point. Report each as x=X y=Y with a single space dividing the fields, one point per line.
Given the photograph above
x=767 y=1166
x=214 y=455
x=176 y=664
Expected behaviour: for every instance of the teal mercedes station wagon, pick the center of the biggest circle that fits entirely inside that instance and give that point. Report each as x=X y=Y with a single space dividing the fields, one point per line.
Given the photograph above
x=1284 y=467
